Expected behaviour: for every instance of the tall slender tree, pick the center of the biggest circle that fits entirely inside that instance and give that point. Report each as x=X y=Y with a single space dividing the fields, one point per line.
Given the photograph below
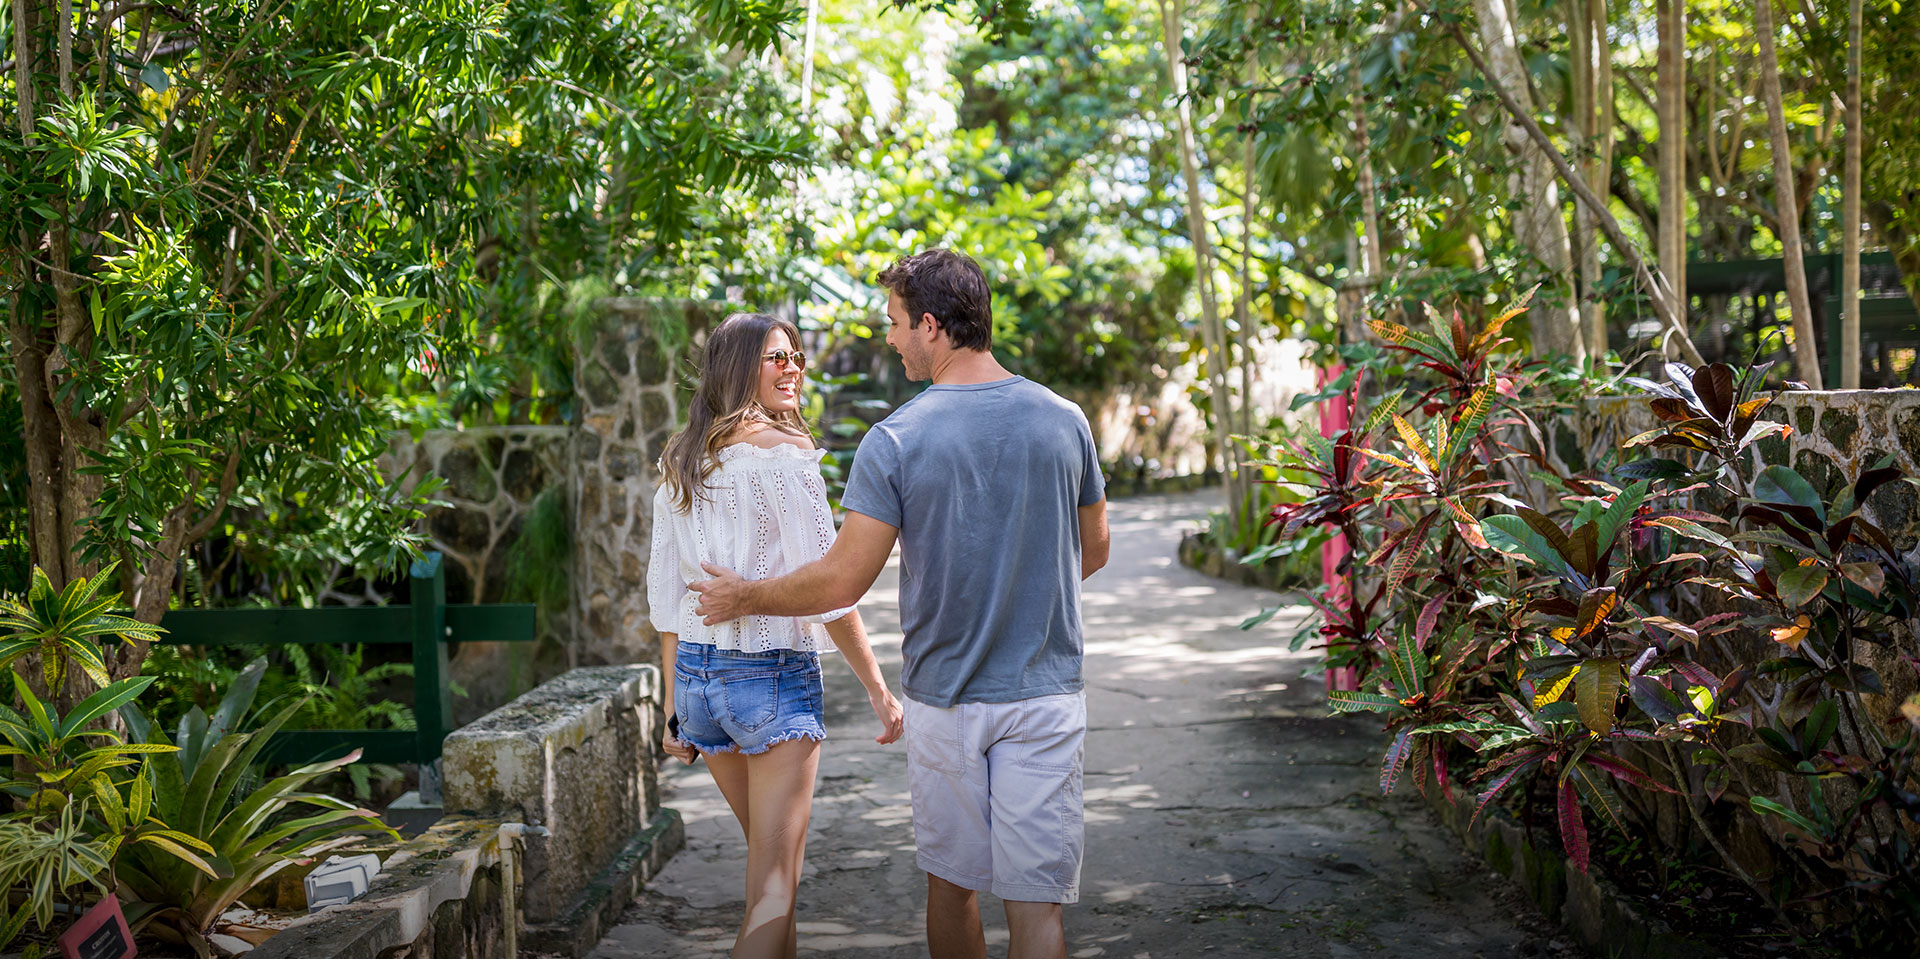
x=1670 y=85
x=1538 y=220
x=1592 y=100
x=1806 y=352
x=1213 y=331
x=1850 y=208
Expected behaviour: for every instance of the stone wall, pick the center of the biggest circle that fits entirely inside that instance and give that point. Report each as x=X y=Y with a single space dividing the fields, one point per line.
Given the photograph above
x=446 y=894
x=493 y=477
x=628 y=381
x=575 y=758
x=1836 y=434
x=555 y=824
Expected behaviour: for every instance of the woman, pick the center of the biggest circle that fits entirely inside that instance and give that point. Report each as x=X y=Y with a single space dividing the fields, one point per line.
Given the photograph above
x=743 y=489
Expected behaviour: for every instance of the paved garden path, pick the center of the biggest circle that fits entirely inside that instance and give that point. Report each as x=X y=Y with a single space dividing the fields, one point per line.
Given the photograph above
x=1227 y=814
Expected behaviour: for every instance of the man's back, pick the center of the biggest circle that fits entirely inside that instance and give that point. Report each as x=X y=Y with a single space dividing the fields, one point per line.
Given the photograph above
x=984 y=482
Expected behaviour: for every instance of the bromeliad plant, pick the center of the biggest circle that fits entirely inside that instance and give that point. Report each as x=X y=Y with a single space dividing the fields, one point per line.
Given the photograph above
x=250 y=834
x=175 y=828
x=80 y=794
x=1689 y=626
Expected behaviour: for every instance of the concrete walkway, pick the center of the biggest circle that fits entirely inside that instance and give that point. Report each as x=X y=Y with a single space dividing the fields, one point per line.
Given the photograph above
x=1227 y=814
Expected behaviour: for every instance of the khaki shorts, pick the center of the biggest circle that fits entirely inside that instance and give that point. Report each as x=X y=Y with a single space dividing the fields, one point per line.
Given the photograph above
x=996 y=794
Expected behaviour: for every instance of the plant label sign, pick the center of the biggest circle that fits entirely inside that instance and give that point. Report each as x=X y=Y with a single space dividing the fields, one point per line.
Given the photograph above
x=101 y=933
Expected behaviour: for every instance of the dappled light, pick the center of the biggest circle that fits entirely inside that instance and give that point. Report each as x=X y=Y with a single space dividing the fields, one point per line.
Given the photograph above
x=1503 y=415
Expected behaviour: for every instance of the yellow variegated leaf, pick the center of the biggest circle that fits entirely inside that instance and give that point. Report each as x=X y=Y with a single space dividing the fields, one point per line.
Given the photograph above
x=1414 y=440
x=1554 y=692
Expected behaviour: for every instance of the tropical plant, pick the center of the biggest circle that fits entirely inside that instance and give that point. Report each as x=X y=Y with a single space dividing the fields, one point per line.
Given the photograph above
x=199 y=792
x=45 y=862
x=1687 y=628
x=72 y=820
x=53 y=763
x=67 y=623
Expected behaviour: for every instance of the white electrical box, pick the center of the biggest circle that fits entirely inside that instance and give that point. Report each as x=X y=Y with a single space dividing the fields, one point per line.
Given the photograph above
x=340 y=879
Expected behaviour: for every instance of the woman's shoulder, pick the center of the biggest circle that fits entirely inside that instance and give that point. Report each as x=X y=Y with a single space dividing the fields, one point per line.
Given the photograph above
x=768 y=436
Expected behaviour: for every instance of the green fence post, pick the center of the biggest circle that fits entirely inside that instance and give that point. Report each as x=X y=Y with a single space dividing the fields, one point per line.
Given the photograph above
x=432 y=699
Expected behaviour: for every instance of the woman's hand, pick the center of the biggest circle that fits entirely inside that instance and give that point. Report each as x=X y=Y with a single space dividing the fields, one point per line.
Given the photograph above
x=887 y=710
x=679 y=748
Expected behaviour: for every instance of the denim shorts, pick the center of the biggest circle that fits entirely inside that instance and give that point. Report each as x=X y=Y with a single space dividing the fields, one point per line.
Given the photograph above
x=731 y=701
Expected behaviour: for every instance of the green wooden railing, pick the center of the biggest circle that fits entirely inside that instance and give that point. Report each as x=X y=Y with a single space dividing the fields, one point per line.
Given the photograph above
x=429 y=624
x=1888 y=318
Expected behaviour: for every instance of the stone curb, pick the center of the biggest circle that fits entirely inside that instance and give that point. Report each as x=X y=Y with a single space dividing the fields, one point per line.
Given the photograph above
x=1151 y=485
x=1207 y=559
x=434 y=868
x=1588 y=904
x=599 y=905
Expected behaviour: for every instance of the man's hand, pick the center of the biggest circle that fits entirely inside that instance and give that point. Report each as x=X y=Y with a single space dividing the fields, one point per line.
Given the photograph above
x=722 y=598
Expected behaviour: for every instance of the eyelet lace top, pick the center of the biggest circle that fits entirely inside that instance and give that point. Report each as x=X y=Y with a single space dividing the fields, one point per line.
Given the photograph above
x=764 y=513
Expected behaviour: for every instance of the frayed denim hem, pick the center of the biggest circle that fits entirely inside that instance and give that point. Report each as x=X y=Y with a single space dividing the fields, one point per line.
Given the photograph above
x=784 y=737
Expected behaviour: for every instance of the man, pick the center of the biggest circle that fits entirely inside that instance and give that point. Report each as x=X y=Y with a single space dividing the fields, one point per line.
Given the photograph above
x=992 y=485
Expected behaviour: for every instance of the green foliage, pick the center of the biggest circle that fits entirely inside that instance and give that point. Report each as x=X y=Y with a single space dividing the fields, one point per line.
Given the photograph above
x=200 y=793
x=51 y=752
x=267 y=244
x=541 y=556
x=1546 y=630
x=66 y=624
x=75 y=813
x=45 y=863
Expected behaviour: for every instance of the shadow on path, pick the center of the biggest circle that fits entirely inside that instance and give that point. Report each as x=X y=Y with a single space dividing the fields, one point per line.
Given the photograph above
x=1227 y=813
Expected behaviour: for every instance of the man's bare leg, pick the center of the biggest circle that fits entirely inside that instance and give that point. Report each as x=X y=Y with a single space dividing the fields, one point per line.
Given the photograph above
x=1035 y=930
x=953 y=921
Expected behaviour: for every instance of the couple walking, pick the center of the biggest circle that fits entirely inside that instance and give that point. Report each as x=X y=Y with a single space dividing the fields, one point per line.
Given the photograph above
x=992 y=487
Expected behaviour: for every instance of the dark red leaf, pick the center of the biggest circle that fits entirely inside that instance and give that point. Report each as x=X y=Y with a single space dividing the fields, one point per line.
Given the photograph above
x=1573 y=829
x=1429 y=615
x=1619 y=768
x=1697 y=674
x=1713 y=383
x=1494 y=789
x=1870 y=481
x=1395 y=760
x=1670 y=409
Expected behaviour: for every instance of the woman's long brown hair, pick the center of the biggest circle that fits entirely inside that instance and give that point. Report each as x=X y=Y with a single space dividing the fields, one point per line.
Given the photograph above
x=724 y=402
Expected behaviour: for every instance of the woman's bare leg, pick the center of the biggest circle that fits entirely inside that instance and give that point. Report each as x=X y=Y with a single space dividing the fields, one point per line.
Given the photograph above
x=730 y=774
x=779 y=802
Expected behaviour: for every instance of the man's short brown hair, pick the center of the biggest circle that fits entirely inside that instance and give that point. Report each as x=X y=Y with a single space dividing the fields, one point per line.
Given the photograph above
x=951 y=287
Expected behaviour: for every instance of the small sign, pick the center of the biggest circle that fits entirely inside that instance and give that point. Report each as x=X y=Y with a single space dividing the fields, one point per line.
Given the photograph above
x=341 y=879
x=101 y=933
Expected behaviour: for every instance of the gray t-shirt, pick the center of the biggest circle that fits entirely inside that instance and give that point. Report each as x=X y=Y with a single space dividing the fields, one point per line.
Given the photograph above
x=983 y=481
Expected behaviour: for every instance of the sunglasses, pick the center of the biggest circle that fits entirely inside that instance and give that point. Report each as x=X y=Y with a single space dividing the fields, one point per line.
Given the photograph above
x=781 y=357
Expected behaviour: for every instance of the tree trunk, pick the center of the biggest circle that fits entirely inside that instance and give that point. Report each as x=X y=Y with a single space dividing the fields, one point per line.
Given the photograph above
x=1538 y=222
x=1806 y=353
x=1363 y=165
x=1250 y=208
x=806 y=59
x=1670 y=99
x=1592 y=95
x=1211 y=329
x=1650 y=277
x=1850 y=211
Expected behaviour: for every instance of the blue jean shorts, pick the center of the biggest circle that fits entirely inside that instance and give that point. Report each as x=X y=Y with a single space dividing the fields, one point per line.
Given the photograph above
x=730 y=701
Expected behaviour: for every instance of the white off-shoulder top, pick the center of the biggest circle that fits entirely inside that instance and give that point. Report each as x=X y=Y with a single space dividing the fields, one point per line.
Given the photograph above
x=764 y=513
